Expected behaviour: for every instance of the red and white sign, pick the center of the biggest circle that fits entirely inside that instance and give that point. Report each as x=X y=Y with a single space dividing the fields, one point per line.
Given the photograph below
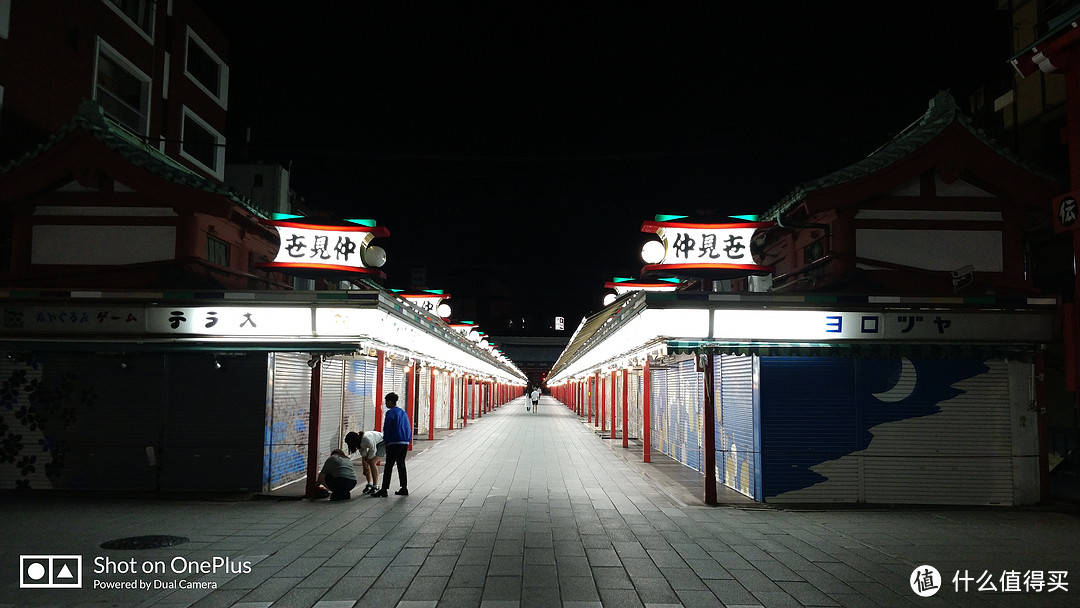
x=325 y=247
x=689 y=246
x=1066 y=212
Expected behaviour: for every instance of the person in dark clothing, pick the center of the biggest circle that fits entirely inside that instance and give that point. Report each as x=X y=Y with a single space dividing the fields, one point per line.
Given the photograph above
x=397 y=435
x=338 y=475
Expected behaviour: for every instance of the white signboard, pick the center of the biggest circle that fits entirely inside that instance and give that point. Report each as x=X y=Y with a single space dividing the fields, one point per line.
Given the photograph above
x=230 y=321
x=943 y=326
x=703 y=246
x=321 y=247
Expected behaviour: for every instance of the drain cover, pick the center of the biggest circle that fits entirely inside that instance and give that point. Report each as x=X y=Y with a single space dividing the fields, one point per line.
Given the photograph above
x=144 y=542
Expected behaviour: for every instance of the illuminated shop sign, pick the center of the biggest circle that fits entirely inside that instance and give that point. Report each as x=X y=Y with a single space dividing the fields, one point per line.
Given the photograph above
x=324 y=247
x=686 y=246
x=430 y=302
x=900 y=326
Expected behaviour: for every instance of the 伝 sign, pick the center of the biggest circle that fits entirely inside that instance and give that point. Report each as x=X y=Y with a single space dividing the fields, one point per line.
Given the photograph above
x=689 y=246
x=1066 y=212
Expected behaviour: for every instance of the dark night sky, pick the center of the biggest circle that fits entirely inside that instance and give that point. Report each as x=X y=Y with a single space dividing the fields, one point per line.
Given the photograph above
x=531 y=143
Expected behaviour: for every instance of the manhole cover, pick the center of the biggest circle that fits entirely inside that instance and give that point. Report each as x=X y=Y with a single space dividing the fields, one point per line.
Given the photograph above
x=144 y=542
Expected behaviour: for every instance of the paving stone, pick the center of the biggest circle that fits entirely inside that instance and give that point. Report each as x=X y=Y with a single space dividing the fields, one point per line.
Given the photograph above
x=527 y=529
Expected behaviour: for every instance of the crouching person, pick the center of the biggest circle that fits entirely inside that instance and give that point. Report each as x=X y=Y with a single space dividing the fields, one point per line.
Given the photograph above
x=338 y=475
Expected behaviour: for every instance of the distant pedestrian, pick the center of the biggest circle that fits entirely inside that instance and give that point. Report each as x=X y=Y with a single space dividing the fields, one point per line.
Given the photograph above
x=535 y=396
x=338 y=476
x=372 y=450
x=397 y=434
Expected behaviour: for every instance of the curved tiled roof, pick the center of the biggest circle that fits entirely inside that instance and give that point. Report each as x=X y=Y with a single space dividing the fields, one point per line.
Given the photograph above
x=91 y=118
x=941 y=113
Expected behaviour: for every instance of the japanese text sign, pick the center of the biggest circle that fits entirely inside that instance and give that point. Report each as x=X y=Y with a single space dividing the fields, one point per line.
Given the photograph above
x=706 y=246
x=1066 y=212
x=323 y=247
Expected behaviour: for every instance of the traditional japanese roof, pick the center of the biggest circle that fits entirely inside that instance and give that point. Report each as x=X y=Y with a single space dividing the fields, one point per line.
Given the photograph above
x=91 y=118
x=942 y=113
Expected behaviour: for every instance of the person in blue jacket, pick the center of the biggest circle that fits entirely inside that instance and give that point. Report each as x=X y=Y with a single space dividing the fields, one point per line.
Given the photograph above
x=397 y=435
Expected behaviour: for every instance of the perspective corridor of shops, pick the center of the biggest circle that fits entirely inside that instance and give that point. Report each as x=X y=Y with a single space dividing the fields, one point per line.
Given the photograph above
x=530 y=509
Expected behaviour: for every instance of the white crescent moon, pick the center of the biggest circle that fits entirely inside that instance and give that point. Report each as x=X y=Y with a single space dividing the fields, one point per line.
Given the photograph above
x=905 y=384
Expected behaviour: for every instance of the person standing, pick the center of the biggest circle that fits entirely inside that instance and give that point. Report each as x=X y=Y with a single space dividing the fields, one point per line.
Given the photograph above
x=372 y=450
x=535 y=396
x=397 y=435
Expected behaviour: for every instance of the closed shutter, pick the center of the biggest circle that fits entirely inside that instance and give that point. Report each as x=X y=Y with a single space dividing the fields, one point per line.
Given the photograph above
x=214 y=436
x=736 y=447
x=618 y=404
x=808 y=418
x=394 y=382
x=949 y=442
x=359 y=406
x=689 y=400
x=422 y=421
x=330 y=408
x=80 y=421
x=442 y=400
x=634 y=425
x=658 y=410
x=287 y=424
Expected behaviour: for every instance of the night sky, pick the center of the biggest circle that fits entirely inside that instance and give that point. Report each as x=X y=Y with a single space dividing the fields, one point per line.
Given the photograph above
x=514 y=152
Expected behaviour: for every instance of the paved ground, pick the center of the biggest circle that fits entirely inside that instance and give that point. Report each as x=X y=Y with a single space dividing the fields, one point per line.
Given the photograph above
x=530 y=510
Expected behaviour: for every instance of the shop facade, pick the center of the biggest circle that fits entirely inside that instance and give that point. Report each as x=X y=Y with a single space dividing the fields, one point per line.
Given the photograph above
x=812 y=399
x=221 y=392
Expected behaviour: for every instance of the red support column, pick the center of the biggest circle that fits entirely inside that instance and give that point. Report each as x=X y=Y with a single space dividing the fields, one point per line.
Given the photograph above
x=646 y=413
x=314 y=414
x=465 y=402
x=614 y=418
x=410 y=400
x=380 y=367
x=431 y=406
x=625 y=408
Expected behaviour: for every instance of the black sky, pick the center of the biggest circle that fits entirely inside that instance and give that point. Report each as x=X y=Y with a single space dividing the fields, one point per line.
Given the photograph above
x=519 y=142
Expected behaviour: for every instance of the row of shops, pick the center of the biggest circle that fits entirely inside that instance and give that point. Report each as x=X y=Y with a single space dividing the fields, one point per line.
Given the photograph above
x=823 y=399
x=222 y=392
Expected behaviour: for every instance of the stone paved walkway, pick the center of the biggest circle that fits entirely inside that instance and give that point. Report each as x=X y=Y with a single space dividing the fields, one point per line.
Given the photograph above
x=531 y=510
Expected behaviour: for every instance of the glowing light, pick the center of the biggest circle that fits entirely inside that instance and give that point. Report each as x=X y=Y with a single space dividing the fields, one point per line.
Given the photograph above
x=653 y=252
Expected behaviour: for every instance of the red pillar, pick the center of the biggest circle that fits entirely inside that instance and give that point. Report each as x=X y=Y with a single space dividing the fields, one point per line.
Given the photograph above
x=431 y=406
x=625 y=408
x=614 y=418
x=380 y=367
x=598 y=394
x=646 y=413
x=410 y=399
x=314 y=414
